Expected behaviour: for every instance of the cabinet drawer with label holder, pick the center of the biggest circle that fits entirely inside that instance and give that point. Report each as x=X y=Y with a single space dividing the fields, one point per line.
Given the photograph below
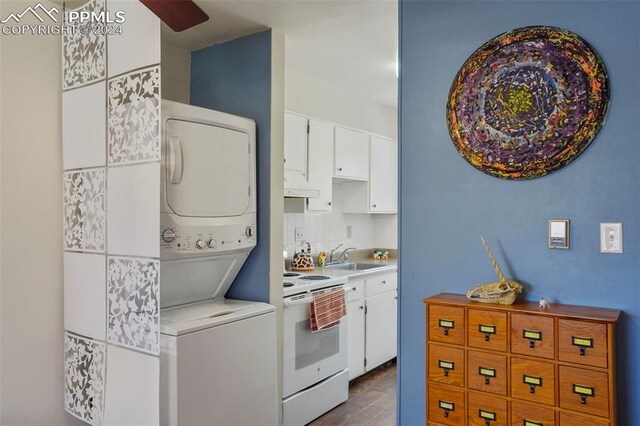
x=446 y=324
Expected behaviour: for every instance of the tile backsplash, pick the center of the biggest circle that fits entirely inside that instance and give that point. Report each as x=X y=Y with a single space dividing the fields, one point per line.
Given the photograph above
x=325 y=231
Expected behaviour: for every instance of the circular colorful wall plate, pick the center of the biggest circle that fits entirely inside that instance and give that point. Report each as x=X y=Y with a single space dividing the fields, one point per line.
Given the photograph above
x=528 y=102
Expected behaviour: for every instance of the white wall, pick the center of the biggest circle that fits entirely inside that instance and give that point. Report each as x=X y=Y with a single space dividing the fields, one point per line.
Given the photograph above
x=31 y=308
x=176 y=73
x=308 y=95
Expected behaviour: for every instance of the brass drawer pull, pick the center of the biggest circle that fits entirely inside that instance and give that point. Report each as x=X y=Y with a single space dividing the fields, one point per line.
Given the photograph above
x=532 y=381
x=488 y=416
x=447 y=407
x=526 y=422
x=487 y=373
x=583 y=343
x=532 y=337
x=584 y=392
x=446 y=366
x=446 y=325
x=487 y=330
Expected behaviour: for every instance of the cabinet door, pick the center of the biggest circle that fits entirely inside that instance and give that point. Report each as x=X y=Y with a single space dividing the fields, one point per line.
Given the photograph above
x=351 y=154
x=355 y=338
x=381 y=328
x=295 y=142
x=320 y=164
x=383 y=177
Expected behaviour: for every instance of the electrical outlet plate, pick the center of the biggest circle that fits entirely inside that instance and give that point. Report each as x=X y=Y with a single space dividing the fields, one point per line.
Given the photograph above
x=299 y=234
x=349 y=233
x=611 y=238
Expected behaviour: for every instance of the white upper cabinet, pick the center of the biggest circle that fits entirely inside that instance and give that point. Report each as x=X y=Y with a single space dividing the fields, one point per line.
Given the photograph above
x=295 y=142
x=351 y=160
x=383 y=178
x=320 y=164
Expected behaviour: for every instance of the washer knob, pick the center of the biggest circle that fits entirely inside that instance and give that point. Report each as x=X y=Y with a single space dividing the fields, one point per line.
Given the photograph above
x=200 y=244
x=168 y=235
x=249 y=232
x=212 y=243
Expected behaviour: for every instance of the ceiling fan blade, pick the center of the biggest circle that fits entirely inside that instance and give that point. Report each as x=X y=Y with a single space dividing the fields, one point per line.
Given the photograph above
x=179 y=15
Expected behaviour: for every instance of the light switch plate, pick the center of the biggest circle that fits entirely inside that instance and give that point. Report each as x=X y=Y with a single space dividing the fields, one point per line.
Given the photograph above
x=611 y=238
x=558 y=233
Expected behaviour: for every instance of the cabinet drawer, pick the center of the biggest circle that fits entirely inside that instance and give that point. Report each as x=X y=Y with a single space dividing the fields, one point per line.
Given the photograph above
x=531 y=415
x=446 y=324
x=533 y=381
x=487 y=410
x=532 y=335
x=446 y=365
x=487 y=372
x=567 y=419
x=487 y=330
x=582 y=342
x=584 y=391
x=354 y=290
x=446 y=405
x=381 y=284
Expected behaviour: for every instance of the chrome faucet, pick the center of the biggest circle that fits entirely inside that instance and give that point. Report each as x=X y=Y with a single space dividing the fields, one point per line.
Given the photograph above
x=332 y=255
x=344 y=256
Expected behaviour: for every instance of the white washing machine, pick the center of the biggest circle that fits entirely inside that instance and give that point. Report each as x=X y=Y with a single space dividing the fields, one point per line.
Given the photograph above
x=218 y=356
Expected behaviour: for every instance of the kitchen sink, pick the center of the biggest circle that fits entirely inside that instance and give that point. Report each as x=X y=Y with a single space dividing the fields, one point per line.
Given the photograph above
x=349 y=266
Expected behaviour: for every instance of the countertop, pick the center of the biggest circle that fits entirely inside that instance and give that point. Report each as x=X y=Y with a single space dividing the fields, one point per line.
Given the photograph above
x=362 y=256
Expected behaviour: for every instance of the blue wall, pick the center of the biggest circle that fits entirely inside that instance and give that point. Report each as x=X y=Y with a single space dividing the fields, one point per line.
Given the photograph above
x=446 y=204
x=235 y=77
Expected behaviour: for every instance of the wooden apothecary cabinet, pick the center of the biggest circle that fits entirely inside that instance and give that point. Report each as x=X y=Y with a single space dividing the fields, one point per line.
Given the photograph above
x=494 y=365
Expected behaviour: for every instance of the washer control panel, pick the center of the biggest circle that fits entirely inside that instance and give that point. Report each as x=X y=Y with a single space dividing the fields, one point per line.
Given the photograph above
x=179 y=240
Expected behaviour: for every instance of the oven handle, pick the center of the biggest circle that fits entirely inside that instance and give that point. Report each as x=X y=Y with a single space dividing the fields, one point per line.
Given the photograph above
x=308 y=298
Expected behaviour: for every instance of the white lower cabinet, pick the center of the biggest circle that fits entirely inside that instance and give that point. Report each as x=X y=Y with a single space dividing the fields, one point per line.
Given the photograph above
x=372 y=321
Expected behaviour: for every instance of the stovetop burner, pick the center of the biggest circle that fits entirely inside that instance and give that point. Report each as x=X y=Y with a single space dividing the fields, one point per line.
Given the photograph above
x=314 y=277
x=291 y=274
x=288 y=284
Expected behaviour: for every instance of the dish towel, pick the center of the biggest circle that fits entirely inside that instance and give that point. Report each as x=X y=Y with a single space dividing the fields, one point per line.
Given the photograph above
x=327 y=309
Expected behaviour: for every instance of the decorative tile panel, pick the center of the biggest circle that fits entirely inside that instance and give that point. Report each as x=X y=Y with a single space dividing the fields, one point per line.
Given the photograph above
x=132 y=303
x=85 y=294
x=133 y=197
x=84 y=52
x=84 y=119
x=84 y=210
x=134 y=117
x=84 y=368
x=138 y=44
x=133 y=380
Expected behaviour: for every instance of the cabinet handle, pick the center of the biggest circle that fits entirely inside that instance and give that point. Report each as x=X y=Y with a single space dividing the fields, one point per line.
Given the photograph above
x=339 y=169
x=375 y=205
x=487 y=373
x=446 y=366
x=487 y=330
x=582 y=343
x=584 y=392
x=532 y=381
x=532 y=337
x=329 y=203
x=487 y=416
x=446 y=406
x=361 y=307
x=384 y=281
x=446 y=325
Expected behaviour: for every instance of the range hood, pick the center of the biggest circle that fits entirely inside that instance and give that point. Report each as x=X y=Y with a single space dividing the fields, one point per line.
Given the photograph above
x=297 y=186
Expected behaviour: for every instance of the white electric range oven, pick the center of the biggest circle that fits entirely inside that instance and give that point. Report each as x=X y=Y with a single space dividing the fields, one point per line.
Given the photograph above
x=315 y=373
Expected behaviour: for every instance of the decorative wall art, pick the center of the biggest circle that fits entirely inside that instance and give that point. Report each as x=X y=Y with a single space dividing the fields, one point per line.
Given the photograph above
x=528 y=102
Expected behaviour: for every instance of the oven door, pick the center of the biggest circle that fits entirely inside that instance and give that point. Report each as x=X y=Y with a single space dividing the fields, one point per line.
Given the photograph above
x=310 y=357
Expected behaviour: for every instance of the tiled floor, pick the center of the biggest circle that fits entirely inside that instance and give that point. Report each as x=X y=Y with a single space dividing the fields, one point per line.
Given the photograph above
x=372 y=401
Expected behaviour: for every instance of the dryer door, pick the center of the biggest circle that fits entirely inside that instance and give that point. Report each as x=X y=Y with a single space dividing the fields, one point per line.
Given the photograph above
x=207 y=169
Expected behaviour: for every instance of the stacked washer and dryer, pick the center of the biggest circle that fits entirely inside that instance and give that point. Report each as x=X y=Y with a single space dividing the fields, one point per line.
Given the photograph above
x=218 y=356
